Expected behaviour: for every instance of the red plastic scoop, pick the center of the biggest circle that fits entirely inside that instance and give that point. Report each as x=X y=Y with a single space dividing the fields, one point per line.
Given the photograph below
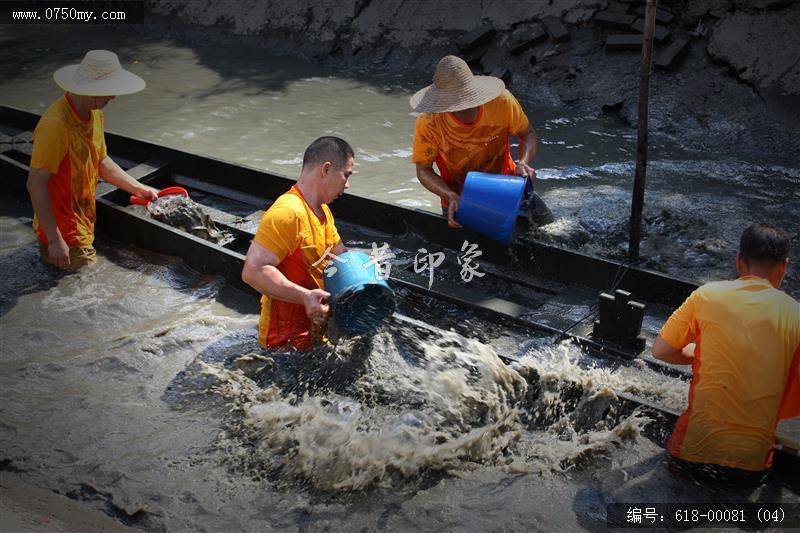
x=163 y=192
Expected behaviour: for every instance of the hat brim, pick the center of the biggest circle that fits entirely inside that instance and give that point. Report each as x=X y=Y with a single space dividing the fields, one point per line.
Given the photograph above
x=480 y=90
x=123 y=82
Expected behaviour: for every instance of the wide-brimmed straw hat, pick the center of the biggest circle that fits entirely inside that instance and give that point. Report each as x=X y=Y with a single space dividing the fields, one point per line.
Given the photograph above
x=99 y=74
x=456 y=88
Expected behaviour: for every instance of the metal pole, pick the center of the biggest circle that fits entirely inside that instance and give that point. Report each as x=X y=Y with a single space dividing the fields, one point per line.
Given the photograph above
x=641 y=143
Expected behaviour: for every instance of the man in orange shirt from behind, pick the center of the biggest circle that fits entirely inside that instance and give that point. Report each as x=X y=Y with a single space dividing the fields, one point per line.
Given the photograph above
x=742 y=338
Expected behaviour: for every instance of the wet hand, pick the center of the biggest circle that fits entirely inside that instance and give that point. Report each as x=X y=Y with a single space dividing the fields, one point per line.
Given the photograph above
x=147 y=192
x=59 y=253
x=452 y=208
x=526 y=171
x=316 y=305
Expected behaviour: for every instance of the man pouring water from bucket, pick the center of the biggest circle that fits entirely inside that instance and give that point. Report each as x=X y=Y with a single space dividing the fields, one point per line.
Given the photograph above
x=294 y=256
x=464 y=126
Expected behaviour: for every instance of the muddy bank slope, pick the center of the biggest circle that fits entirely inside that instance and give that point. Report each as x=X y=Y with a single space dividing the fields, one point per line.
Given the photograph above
x=730 y=88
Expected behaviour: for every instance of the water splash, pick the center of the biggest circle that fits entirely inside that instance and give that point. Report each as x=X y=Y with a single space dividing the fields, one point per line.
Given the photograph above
x=406 y=406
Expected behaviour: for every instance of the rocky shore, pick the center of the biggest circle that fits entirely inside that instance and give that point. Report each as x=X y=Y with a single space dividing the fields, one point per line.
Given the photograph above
x=727 y=75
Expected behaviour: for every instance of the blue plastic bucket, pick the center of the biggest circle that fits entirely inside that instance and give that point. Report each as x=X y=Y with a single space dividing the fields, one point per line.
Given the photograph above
x=490 y=204
x=360 y=299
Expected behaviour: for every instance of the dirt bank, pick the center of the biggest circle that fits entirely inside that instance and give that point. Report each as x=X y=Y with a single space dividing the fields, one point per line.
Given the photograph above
x=732 y=92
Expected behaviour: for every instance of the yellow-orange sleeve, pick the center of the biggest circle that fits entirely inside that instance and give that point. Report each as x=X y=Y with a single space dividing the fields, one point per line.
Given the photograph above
x=102 y=134
x=425 y=150
x=279 y=232
x=517 y=119
x=50 y=142
x=679 y=330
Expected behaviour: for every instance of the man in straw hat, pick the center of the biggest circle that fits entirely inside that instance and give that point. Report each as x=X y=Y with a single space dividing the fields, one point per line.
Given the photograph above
x=69 y=153
x=464 y=126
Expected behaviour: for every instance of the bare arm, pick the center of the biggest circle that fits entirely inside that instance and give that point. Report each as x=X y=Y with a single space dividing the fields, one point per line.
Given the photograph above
x=260 y=272
x=43 y=207
x=339 y=249
x=113 y=174
x=664 y=352
x=528 y=148
x=434 y=183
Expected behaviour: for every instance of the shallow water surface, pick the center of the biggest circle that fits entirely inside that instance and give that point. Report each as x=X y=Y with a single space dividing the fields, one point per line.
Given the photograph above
x=240 y=103
x=137 y=387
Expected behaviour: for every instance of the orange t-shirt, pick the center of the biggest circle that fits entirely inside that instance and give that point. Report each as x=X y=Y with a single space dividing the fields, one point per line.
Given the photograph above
x=301 y=240
x=71 y=150
x=458 y=148
x=745 y=371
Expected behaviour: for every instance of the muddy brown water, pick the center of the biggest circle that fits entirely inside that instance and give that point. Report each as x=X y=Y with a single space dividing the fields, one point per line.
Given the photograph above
x=120 y=383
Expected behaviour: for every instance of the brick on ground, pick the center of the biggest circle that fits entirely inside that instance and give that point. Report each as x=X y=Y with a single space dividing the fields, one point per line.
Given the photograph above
x=555 y=29
x=476 y=38
x=627 y=41
x=618 y=7
x=661 y=33
x=662 y=15
x=619 y=21
x=671 y=56
x=524 y=38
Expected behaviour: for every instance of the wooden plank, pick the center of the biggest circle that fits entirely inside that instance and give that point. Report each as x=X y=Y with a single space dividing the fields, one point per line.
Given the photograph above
x=144 y=172
x=24 y=137
x=23 y=148
x=126 y=225
x=522 y=279
x=13 y=174
x=217 y=190
x=503 y=311
x=239 y=182
x=14 y=163
x=148 y=170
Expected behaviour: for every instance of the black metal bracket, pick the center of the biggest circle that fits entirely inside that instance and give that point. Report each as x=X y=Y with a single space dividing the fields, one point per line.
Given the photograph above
x=620 y=321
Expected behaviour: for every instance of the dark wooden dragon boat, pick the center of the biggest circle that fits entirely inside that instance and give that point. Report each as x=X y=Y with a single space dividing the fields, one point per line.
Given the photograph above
x=531 y=286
